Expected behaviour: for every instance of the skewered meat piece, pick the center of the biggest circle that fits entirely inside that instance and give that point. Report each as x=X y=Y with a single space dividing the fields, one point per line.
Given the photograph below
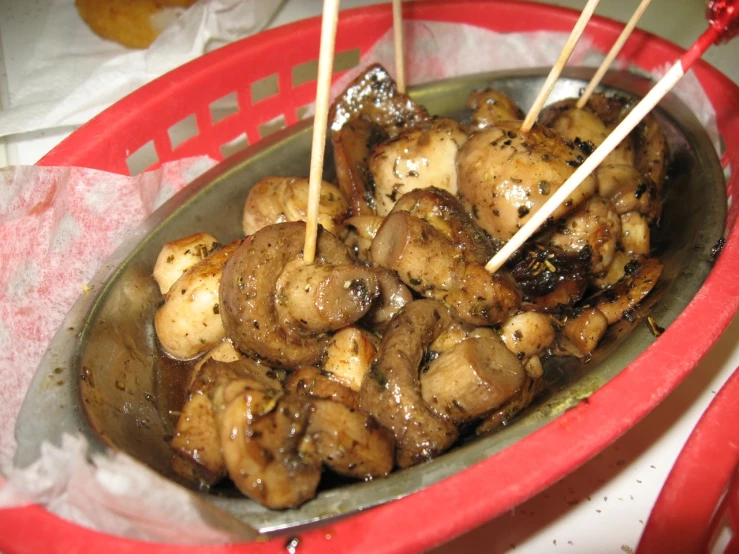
x=549 y=278
x=178 y=256
x=391 y=393
x=506 y=175
x=369 y=111
x=188 y=323
x=281 y=199
x=490 y=106
x=418 y=157
x=447 y=215
x=257 y=314
x=594 y=226
x=471 y=378
x=430 y=264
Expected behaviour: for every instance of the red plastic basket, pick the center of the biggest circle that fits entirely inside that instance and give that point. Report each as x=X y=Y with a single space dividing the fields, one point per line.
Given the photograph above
x=698 y=508
x=141 y=126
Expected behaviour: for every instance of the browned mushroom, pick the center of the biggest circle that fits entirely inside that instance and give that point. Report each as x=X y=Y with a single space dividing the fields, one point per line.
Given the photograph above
x=391 y=393
x=257 y=315
x=490 y=106
x=430 y=264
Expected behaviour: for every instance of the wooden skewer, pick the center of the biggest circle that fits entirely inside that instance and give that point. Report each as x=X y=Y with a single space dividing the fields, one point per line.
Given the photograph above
x=320 y=122
x=615 y=49
x=398 y=34
x=587 y=12
x=638 y=113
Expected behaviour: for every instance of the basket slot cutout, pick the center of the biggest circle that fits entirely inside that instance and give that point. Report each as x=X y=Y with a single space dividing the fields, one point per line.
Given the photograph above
x=272 y=126
x=235 y=145
x=223 y=107
x=265 y=88
x=143 y=158
x=308 y=71
x=304 y=112
x=183 y=130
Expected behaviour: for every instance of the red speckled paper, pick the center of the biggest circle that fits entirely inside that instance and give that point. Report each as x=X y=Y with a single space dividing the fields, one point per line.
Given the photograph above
x=57 y=226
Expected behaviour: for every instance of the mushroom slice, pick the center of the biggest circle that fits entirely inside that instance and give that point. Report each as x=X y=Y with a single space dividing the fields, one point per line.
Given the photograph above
x=581 y=334
x=421 y=156
x=527 y=334
x=268 y=454
x=596 y=227
x=319 y=384
x=391 y=393
x=349 y=442
x=651 y=152
x=428 y=263
x=490 y=106
x=189 y=322
x=361 y=230
x=280 y=199
x=349 y=355
x=178 y=256
x=504 y=176
x=505 y=413
x=373 y=96
x=196 y=437
x=447 y=215
x=254 y=315
x=627 y=293
x=471 y=378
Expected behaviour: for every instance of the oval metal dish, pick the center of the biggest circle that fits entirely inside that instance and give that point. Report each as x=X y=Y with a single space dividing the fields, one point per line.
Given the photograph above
x=116 y=395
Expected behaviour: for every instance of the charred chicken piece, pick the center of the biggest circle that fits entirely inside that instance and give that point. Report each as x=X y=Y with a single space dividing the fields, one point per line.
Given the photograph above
x=630 y=291
x=391 y=392
x=373 y=96
x=188 y=323
x=490 y=106
x=256 y=313
x=352 y=145
x=549 y=278
x=447 y=215
x=430 y=264
x=624 y=186
x=506 y=175
x=281 y=199
x=420 y=156
x=596 y=227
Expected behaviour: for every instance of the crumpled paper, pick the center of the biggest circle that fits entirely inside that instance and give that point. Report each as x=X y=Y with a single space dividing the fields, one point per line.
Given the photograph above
x=47 y=212
x=73 y=74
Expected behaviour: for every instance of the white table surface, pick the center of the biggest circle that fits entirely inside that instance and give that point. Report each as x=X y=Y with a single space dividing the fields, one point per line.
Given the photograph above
x=601 y=507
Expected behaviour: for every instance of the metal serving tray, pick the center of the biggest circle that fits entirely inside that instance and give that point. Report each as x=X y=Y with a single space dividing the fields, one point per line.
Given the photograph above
x=102 y=375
